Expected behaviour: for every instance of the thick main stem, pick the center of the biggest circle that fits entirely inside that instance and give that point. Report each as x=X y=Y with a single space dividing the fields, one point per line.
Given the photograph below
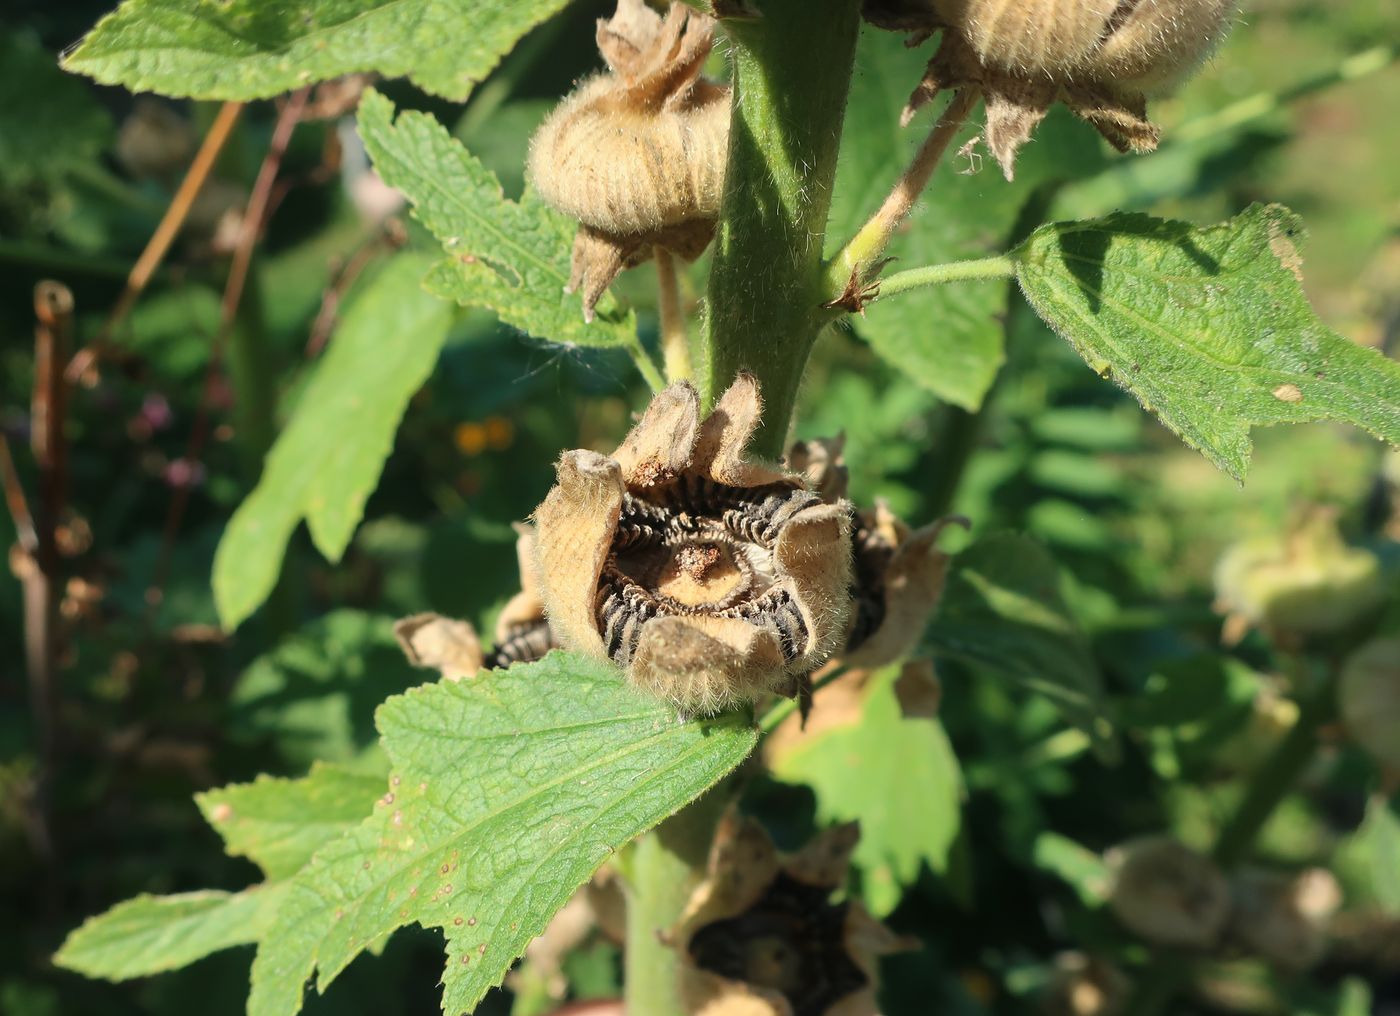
x=792 y=71
x=675 y=344
x=662 y=872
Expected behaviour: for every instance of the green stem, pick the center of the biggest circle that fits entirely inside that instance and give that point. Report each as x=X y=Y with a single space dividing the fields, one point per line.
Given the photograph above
x=792 y=71
x=664 y=867
x=1274 y=780
x=1001 y=266
x=646 y=366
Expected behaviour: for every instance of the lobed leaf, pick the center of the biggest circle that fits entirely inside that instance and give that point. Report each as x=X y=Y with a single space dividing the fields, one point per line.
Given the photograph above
x=914 y=817
x=511 y=257
x=1207 y=327
x=327 y=460
x=152 y=934
x=1002 y=609
x=507 y=793
x=279 y=823
x=252 y=49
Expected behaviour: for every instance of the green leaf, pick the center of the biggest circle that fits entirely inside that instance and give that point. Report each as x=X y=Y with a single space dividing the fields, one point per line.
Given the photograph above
x=1002 y=608
x=252 y=49
x=912 y=818
x=1208 y=328
x=1380 y=836
x=279 y=823
x=315 y=693
x=48 y=121
x=1079 y=866
x=151 y=934
x=948 y=338
x=327 y=461
x=512 y=257
x=507 y=793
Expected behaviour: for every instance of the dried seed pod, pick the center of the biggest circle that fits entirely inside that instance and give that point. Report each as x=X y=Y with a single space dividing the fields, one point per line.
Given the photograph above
x=708 y=578
x=761 y=936
x=1307 y=582
x=154 y=141
x=452 y=646
x=1100 y=58
x=1085 y=986
x=1283 y=919
x=637 y=155
x=1370 y=699
x=898 y=572
x=1168 y=893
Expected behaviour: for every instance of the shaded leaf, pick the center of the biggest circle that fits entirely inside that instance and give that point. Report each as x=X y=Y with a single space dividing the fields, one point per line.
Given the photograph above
x=150 y=934
x=1002 y=608
x=897 y=775
x=327 y=460
x=948 y=338
x=279 y=823
x=48 y=120
x=1208 y=328
x=252 y=49
x=511 y=257
x=507 y=793
x=315 y=693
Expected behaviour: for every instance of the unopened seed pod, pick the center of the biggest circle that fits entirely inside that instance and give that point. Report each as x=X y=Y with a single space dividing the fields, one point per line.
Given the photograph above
x=1369 y=696
x=1306 y=582
x=1168 y=893
x=637 y=155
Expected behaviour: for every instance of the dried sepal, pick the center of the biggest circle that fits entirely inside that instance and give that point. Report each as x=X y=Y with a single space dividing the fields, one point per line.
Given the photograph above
x=710 y=578
x=452 y=647
x=637 y=155
x=1101 y=60
x=761 y=934
x=821 y=460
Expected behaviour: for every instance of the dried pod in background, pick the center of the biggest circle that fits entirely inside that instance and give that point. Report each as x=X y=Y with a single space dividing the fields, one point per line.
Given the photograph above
x=1167 y=893
x=708 y=578
x=1369 y=696
x=762 y=937
x=637 y=155
x=1085 y=986
x=1283 y=918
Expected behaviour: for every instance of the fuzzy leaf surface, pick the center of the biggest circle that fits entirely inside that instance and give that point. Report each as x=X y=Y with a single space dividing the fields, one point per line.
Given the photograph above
x=327 y=461
x=897 y=775
x=506 y=794
x=152 y=934
x=948 y=338
x=252 y=49
x=511 y=257
x=1208 y=328
x=279 y=823
x=1002 y=609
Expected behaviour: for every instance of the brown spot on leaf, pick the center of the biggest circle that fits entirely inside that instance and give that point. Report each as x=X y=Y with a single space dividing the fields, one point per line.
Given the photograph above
x=1288 y=393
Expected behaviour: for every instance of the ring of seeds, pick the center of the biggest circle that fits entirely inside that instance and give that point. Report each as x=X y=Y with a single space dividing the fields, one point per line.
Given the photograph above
x=696 y=547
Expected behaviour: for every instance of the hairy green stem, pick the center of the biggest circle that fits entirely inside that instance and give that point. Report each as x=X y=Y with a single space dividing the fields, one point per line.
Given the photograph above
x=663 y=870
x=1275 y=779
x=675 y=344
x=792 y=71
x=1001 y=266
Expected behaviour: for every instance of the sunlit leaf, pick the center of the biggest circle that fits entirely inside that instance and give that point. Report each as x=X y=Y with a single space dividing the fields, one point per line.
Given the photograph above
x=251 y=49
x=897 y=775
x=506 y=794
x=512 y=257
x=327 y=460
x=1208 y=328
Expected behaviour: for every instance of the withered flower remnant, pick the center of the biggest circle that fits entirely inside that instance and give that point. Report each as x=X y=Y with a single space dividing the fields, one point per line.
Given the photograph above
x=637 y=155
x=761 y=935
x=1100 y=58
x=1283 y=918
x=451 y=646
x=709 y=578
